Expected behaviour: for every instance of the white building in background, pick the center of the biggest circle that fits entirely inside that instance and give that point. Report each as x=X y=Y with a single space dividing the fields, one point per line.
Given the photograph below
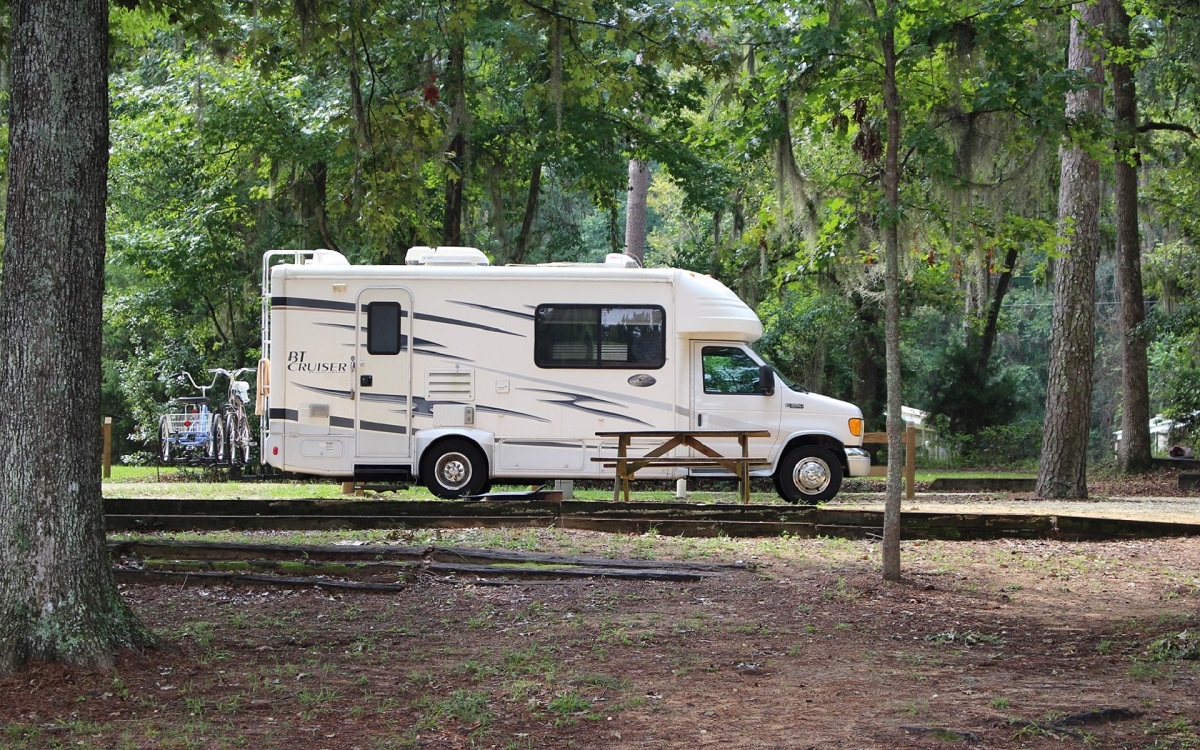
x=926 y=435
x=1161 y=432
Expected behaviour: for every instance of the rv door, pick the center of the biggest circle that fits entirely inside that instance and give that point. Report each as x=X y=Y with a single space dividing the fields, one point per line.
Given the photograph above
x=383 y=374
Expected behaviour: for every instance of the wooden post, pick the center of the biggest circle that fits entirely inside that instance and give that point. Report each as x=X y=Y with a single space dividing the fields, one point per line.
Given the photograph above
x=106 y=457
x=910 y=462
x=910 y=458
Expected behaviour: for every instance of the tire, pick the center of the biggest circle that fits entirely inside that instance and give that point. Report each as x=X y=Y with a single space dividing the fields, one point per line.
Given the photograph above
x=164 y=441
x=454 y=468
x=214 y=450
x=808 y=474
x=239 y=440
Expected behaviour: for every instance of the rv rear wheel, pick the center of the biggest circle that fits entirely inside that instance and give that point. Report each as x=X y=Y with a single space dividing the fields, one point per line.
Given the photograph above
x=454 y=468
x=808 y=474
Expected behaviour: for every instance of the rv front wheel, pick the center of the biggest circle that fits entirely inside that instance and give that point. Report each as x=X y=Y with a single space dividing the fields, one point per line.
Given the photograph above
x=808 y=474
x=454 y=468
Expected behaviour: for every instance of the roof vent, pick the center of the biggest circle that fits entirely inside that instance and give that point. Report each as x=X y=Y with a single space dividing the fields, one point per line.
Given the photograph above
x=445 y=256
x=327 y=258
x=621 y=260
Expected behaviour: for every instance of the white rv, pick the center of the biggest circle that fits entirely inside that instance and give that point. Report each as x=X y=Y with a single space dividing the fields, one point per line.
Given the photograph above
x=456 y=373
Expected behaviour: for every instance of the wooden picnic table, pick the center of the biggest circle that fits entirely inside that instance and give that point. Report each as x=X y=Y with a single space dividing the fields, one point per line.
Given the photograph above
x=627 y=466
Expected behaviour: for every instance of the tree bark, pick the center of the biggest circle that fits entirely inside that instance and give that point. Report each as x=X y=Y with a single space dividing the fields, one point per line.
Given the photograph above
x=532 y=201
x=891 y=320
x=317 y=195
x=866 y=352
x=1133 y=451
x=635 y=210
x=635 y=201
x=991 y=325
x=1062 y=471
x=456 y=76
x=58 y=600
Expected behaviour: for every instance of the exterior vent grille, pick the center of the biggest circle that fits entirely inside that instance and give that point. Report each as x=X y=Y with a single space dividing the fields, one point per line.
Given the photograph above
x=457 y=385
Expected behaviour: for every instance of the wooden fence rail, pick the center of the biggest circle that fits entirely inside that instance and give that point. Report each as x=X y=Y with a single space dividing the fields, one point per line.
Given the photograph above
x=910 y=456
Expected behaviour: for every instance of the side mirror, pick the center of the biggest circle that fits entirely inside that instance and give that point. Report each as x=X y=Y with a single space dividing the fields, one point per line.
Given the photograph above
x=766 y=380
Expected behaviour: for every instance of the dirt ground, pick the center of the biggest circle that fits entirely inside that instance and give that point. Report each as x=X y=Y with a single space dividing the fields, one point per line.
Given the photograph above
x=998 y=644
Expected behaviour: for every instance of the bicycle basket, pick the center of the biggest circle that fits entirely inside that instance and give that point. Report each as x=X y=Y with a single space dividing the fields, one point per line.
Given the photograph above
x=187 y=422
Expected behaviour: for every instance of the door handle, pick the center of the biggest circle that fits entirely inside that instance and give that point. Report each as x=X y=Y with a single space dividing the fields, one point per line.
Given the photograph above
x=366 y=381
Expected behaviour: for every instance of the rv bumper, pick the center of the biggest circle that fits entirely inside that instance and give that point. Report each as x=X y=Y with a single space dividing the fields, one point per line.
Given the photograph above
x=858 y=461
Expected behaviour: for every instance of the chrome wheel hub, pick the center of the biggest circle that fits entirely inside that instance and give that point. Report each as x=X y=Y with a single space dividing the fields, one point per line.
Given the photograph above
x=811 y=476
x=454 y=471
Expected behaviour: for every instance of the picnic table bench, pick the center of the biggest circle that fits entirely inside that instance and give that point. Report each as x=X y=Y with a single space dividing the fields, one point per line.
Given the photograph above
x=627 y=466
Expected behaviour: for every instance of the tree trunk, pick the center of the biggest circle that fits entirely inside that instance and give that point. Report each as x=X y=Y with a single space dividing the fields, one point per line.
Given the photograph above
x=891 y=320
x=532 y=201
x=1062 y=471
x=614 y=228
x=635 y=210
x=1133 y=452
x=456 y=181
x=58 y=600
x=866 y=354
x=362 y=131
x=895 y=420
x=635 y=201
x=991 y=325
x=316 y=195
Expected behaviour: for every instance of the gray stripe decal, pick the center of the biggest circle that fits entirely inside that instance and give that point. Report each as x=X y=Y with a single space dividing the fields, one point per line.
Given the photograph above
x=618 y=398
x=574 y=401
x=442 y=355
x=381 y=427
x=542 y=444
x=488 y=308
x=387 y=398
x=335 y=392
x=464 y=324
x=509 y=412
x=305 y=303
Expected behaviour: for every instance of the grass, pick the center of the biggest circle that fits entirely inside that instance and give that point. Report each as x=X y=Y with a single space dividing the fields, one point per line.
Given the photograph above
x=173 y=482
x=466 y=706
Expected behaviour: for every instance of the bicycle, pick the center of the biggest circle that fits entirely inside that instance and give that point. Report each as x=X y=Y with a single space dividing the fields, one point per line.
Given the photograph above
x=237 y=426
x=192 y=430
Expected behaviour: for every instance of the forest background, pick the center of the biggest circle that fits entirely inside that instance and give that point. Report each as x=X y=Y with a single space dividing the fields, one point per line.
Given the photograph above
x=516 y=126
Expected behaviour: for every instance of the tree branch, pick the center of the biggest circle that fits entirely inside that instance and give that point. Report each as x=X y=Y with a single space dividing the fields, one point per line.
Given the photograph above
x=1146 y=127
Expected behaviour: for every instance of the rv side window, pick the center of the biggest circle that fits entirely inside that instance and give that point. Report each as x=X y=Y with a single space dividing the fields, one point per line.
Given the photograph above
x=629 y=337
x=383 y=328
x=728 y=369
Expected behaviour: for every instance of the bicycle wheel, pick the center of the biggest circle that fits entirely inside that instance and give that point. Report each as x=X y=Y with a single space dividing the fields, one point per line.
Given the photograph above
x=235 y=430
x=214 y=449
x=247 y=441
x=164 y=441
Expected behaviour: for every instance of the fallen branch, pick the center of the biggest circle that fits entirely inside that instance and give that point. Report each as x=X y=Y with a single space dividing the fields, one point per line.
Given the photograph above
x=137 y=575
